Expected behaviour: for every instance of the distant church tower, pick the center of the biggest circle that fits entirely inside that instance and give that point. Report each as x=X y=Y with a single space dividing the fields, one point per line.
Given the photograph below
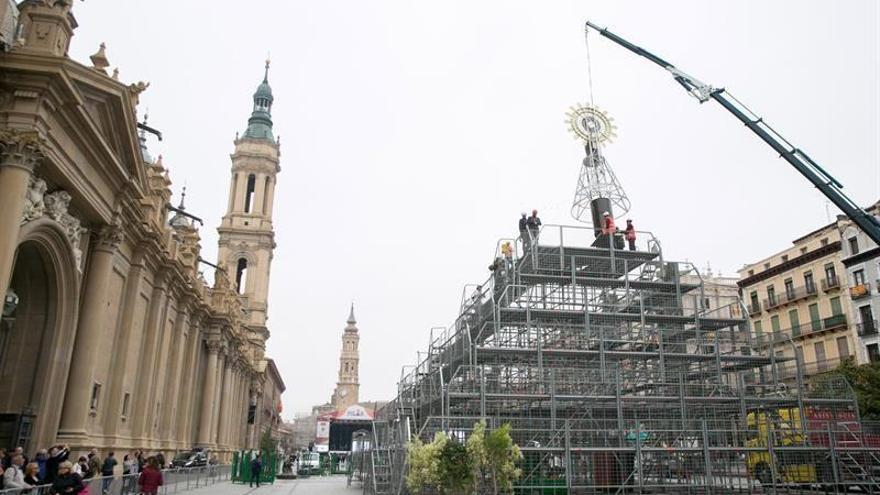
x=346 y=393
x=246 y=238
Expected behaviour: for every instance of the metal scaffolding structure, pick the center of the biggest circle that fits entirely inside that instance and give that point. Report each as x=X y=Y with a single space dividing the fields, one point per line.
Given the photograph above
x=617 y=377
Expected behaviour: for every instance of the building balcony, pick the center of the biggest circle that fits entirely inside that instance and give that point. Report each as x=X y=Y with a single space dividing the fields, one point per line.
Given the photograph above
x=789 y=296
x=830 y=283
x=802 y=331
x=867 y=328
x=754 y=308
x=859 y=291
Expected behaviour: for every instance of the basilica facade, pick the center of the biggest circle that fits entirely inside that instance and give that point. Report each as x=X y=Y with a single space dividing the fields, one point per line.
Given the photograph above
x=111 y=338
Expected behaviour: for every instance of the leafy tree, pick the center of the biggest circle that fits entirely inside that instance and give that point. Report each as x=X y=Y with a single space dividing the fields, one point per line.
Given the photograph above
x=267 y=442
x=424 y=463
x=865 y=381
x=495 y=458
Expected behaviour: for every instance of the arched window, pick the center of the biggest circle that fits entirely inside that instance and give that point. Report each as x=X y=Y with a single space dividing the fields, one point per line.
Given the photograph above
x=241 y=275
x=249 y=193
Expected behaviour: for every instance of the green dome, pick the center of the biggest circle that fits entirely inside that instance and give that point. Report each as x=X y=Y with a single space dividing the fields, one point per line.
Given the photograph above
x=260 y=123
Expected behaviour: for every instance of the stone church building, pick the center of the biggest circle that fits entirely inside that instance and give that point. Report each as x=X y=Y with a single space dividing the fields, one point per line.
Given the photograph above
x=110 y=336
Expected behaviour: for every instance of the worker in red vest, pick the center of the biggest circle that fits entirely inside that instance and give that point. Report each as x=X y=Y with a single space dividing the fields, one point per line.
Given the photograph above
x=609 y=228
x=630 y=234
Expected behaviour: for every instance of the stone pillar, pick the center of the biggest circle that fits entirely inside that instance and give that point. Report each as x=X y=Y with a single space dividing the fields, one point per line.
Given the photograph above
x=225 y=399
x=271 y=199
x=119 y=362
x=218 y=395
x=259 y=192
x=20 y=151
x=208 y=388
x=171 y=402
x=89 y=333
x=184 y=425
x=143 y=410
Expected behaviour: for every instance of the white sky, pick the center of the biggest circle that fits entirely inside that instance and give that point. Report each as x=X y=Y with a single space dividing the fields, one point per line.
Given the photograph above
x=413 y=134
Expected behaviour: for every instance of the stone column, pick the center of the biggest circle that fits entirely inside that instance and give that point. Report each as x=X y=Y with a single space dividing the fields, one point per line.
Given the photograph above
x=184 y=425
x=120 y=356
x=89 y=334
x=218 y=395
x=208 y=388
x=259 y=192
x=271 y=198
x=20 y=151
x=143 y=410
x=171 y=402
x=225 y=399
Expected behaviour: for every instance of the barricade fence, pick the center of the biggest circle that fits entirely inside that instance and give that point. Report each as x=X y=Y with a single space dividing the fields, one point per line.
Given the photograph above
x=177 y=480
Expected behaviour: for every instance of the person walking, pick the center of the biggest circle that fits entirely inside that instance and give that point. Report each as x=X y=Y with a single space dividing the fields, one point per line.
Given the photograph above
x=57 y=455
x=524 y=232
x=13 y=477
x=67 y=482
x=129 y=473
x=150 y=478
x=94 y=464
x=630 y=234
x=81 y=467
x=256 y=469
x=107 y=469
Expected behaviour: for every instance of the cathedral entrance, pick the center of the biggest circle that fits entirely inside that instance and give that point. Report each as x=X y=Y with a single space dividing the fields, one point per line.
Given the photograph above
x=36 y=338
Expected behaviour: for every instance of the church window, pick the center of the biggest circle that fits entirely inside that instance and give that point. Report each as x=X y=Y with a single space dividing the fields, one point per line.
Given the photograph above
x=249 y=194
x=241 y=275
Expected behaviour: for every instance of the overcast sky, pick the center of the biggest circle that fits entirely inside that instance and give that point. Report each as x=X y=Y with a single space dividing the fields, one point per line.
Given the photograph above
x=413 y=134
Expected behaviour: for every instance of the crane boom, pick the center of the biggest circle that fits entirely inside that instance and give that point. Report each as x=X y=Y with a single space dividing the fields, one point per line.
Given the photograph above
x=828 y=185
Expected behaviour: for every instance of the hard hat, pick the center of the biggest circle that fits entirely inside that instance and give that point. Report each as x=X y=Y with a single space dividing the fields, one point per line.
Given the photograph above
x=606 y=214
x=523 y=213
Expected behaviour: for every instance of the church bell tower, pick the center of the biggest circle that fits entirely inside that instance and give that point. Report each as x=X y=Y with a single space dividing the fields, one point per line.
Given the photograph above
x=246 y=236
x=347 y=388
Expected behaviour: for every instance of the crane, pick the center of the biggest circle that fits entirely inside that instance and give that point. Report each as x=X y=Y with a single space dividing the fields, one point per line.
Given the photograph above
x=828 y=185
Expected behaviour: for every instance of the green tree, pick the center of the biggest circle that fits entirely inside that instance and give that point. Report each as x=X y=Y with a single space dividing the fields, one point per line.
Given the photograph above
x=424 y=463
x=456 y=469
x=495 y=458
x=268 y=444
x=865 y=381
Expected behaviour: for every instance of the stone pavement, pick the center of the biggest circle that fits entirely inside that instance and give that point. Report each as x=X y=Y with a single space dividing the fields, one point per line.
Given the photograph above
x=319 y=485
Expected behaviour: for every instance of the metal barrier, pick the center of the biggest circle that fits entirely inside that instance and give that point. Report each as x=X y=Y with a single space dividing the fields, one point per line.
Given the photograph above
x=174 y=481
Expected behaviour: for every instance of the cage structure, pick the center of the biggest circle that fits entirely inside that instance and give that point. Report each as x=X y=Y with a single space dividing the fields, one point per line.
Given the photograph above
x=616 y=378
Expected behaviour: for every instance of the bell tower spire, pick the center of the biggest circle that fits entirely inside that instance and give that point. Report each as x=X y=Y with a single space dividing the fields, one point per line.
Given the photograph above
x=247 y=238
x=348 y=386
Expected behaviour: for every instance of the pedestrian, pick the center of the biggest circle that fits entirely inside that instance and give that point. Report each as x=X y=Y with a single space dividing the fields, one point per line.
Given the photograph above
x=57 y=455
x=142 y=463
x=256 y=469
x=94 y=464
x=81 y=467
x=107 y=469
x=32 y=474
x=41 y=458
x=150 y=478
x=13 y=477
x=630 y=234
x=524 y=231
x=534 y=225
x=160 y=460
x=4 y=459
x=129 y=473
x=67 y=482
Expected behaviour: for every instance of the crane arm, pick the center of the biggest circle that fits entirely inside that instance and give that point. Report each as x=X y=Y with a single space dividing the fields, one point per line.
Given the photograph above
x=822 y=180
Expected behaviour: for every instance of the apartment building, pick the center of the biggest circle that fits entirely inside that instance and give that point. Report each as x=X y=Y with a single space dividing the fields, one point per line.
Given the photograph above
x=798 y=303
x=861 y=257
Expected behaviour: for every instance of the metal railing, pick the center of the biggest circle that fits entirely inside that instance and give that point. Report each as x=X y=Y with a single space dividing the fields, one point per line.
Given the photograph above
x=790 y=295
x=802 y=330
x=867 y=328
x=174 y=481
x=830 y=283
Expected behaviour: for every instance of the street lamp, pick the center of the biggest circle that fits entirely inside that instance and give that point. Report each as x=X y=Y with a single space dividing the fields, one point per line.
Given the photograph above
x=10 y=303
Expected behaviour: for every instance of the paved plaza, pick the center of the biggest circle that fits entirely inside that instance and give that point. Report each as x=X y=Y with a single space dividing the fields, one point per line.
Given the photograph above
x=323 y=485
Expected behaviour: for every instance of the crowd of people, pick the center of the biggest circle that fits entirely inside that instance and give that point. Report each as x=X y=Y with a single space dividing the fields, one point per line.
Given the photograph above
x=53 y=468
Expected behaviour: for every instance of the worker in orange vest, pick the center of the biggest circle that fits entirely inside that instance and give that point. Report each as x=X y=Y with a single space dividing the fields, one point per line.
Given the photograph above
x=630 y=234
x=609 y=228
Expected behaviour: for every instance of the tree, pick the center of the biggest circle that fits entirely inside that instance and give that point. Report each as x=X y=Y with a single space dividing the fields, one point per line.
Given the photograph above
x=267 y=442
x=865 y=381
x=456 y=469
x=424 y=463
x=495 y=457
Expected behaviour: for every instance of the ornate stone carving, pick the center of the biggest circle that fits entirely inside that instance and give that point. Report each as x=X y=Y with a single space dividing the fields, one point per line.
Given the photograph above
x=110 y=236
x=22 y=149
x=34 y=206
x=56 y=205
x=214 y=346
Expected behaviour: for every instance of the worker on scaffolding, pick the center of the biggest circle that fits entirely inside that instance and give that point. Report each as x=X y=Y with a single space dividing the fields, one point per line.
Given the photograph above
x=524 y=232
x=630 y=234
x=534 y=227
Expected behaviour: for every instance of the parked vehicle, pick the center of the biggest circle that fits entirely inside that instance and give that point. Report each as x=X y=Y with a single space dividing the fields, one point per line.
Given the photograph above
x=192 y=458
